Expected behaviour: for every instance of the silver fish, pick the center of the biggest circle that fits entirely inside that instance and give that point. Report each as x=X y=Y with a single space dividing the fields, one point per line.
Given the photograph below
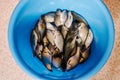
x=70 y=44
x=47 y=58
x=89 y=39
x=34 y=39
x=41 y=28
x=57 y=18
x=39 y=50
x=54 y=36
x=64 y=31
x=58 y=39
x=74 y=60
x=60 y=17
x=84 y=55
x=50 y=36
x=69 y=20
x=49 y=17
x=63 y=17
x=78 y=17
x=50 y=33
x=83 y=31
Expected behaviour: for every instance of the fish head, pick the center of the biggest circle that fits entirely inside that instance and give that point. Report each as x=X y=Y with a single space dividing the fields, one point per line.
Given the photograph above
x=71 y=63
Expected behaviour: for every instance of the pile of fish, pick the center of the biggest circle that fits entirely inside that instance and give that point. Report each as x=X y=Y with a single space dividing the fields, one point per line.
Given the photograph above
x=61 y=39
